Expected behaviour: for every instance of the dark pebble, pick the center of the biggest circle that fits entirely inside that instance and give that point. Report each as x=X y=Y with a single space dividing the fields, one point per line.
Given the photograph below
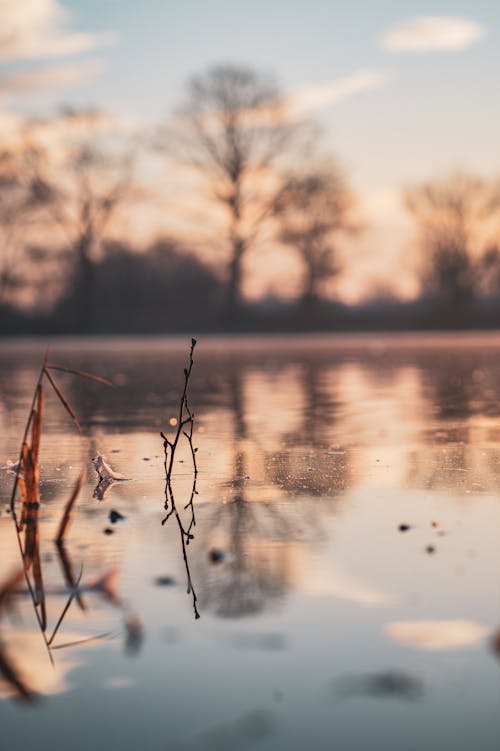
x=115 y=516
x=430 y=549
x=108 y=531
x=164 y=581
x=216 y=555
x=404 y=527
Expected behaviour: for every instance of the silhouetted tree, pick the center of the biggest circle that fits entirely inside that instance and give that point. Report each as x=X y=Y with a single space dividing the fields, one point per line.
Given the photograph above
x=458 y=219
x=313 y=206
x=20 y=222
x=166 y=288
x=232 y=130
x=74 y=180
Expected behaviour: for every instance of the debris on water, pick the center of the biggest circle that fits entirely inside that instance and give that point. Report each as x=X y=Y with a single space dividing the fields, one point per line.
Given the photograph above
x=394 y=684
x=134 y=633
x=146 y=459
x=217 y=555
x=108 y=531
x=164 y=581
x=102 y=488
x=104 y=470
x=434 y=524
x=11 y=467
x=405 y=527
x=115 y=516
x=430 y=549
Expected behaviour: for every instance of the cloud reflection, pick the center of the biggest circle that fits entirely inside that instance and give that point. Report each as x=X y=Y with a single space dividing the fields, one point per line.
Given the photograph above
x=436 y=635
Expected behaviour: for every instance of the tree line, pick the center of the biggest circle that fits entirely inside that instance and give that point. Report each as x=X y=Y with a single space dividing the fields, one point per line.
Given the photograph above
x=260 y=178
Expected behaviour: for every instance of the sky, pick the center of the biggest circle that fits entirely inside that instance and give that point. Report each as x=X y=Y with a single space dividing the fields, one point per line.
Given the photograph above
x=405 y=90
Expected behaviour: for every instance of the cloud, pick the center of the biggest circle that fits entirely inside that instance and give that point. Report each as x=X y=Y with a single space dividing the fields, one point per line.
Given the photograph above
x=37 y=29
x=314 y=97
x=432 y=34
x=436 y=635
x=37 y=80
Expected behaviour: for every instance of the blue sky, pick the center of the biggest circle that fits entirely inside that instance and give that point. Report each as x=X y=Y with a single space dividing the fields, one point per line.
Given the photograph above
x=405 y=114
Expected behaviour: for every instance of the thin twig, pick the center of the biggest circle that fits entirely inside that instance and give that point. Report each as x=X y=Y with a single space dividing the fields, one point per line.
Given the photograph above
x=185 y=419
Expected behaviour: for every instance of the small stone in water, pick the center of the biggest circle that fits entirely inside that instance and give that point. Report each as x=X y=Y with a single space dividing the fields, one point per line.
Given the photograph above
x=404 y=527
x=115 y=516
x=164 y=581
x=216 y=555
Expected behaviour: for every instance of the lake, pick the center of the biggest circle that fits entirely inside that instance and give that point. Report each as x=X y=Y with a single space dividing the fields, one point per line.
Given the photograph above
x=345 y=559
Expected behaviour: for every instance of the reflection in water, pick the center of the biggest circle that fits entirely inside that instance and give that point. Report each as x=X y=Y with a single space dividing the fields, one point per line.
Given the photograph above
x=437 y=635
x=246 y=730
x=392 y=684
x=254 y=569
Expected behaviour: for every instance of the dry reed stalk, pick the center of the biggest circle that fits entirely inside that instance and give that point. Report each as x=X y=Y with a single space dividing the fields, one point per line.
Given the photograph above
x=67 y=406
x=12 y=676
x=27 y=481
x=7 y=667
x=66 y=517
x=69 y=577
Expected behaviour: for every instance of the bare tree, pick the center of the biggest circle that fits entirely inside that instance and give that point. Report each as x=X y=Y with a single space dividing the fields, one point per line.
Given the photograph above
x=314 y=206
x=61 y=184
x=86 y=192
x=19 y=218
x=459 y=223
x=233 y=131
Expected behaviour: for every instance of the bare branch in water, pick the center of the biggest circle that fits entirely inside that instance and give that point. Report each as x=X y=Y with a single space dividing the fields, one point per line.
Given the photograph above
x=185 y=418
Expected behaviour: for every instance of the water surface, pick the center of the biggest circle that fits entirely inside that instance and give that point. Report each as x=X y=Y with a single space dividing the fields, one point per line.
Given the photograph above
x=345 y=559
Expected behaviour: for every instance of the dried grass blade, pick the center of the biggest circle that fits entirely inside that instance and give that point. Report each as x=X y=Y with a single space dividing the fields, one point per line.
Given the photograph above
x=8 y=587
x=82 y=374
x=24 y=499
x=69 y=576
x=36 y=426
x=66 y=517
x=65 y=609
x=11 y=675
x=82 y=641
x=39 y=588
x=63 y=400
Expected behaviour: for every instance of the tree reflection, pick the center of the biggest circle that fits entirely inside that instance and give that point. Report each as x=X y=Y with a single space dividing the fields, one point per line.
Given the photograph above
x=254 y=532
x=309 y=465
x=254 y=569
